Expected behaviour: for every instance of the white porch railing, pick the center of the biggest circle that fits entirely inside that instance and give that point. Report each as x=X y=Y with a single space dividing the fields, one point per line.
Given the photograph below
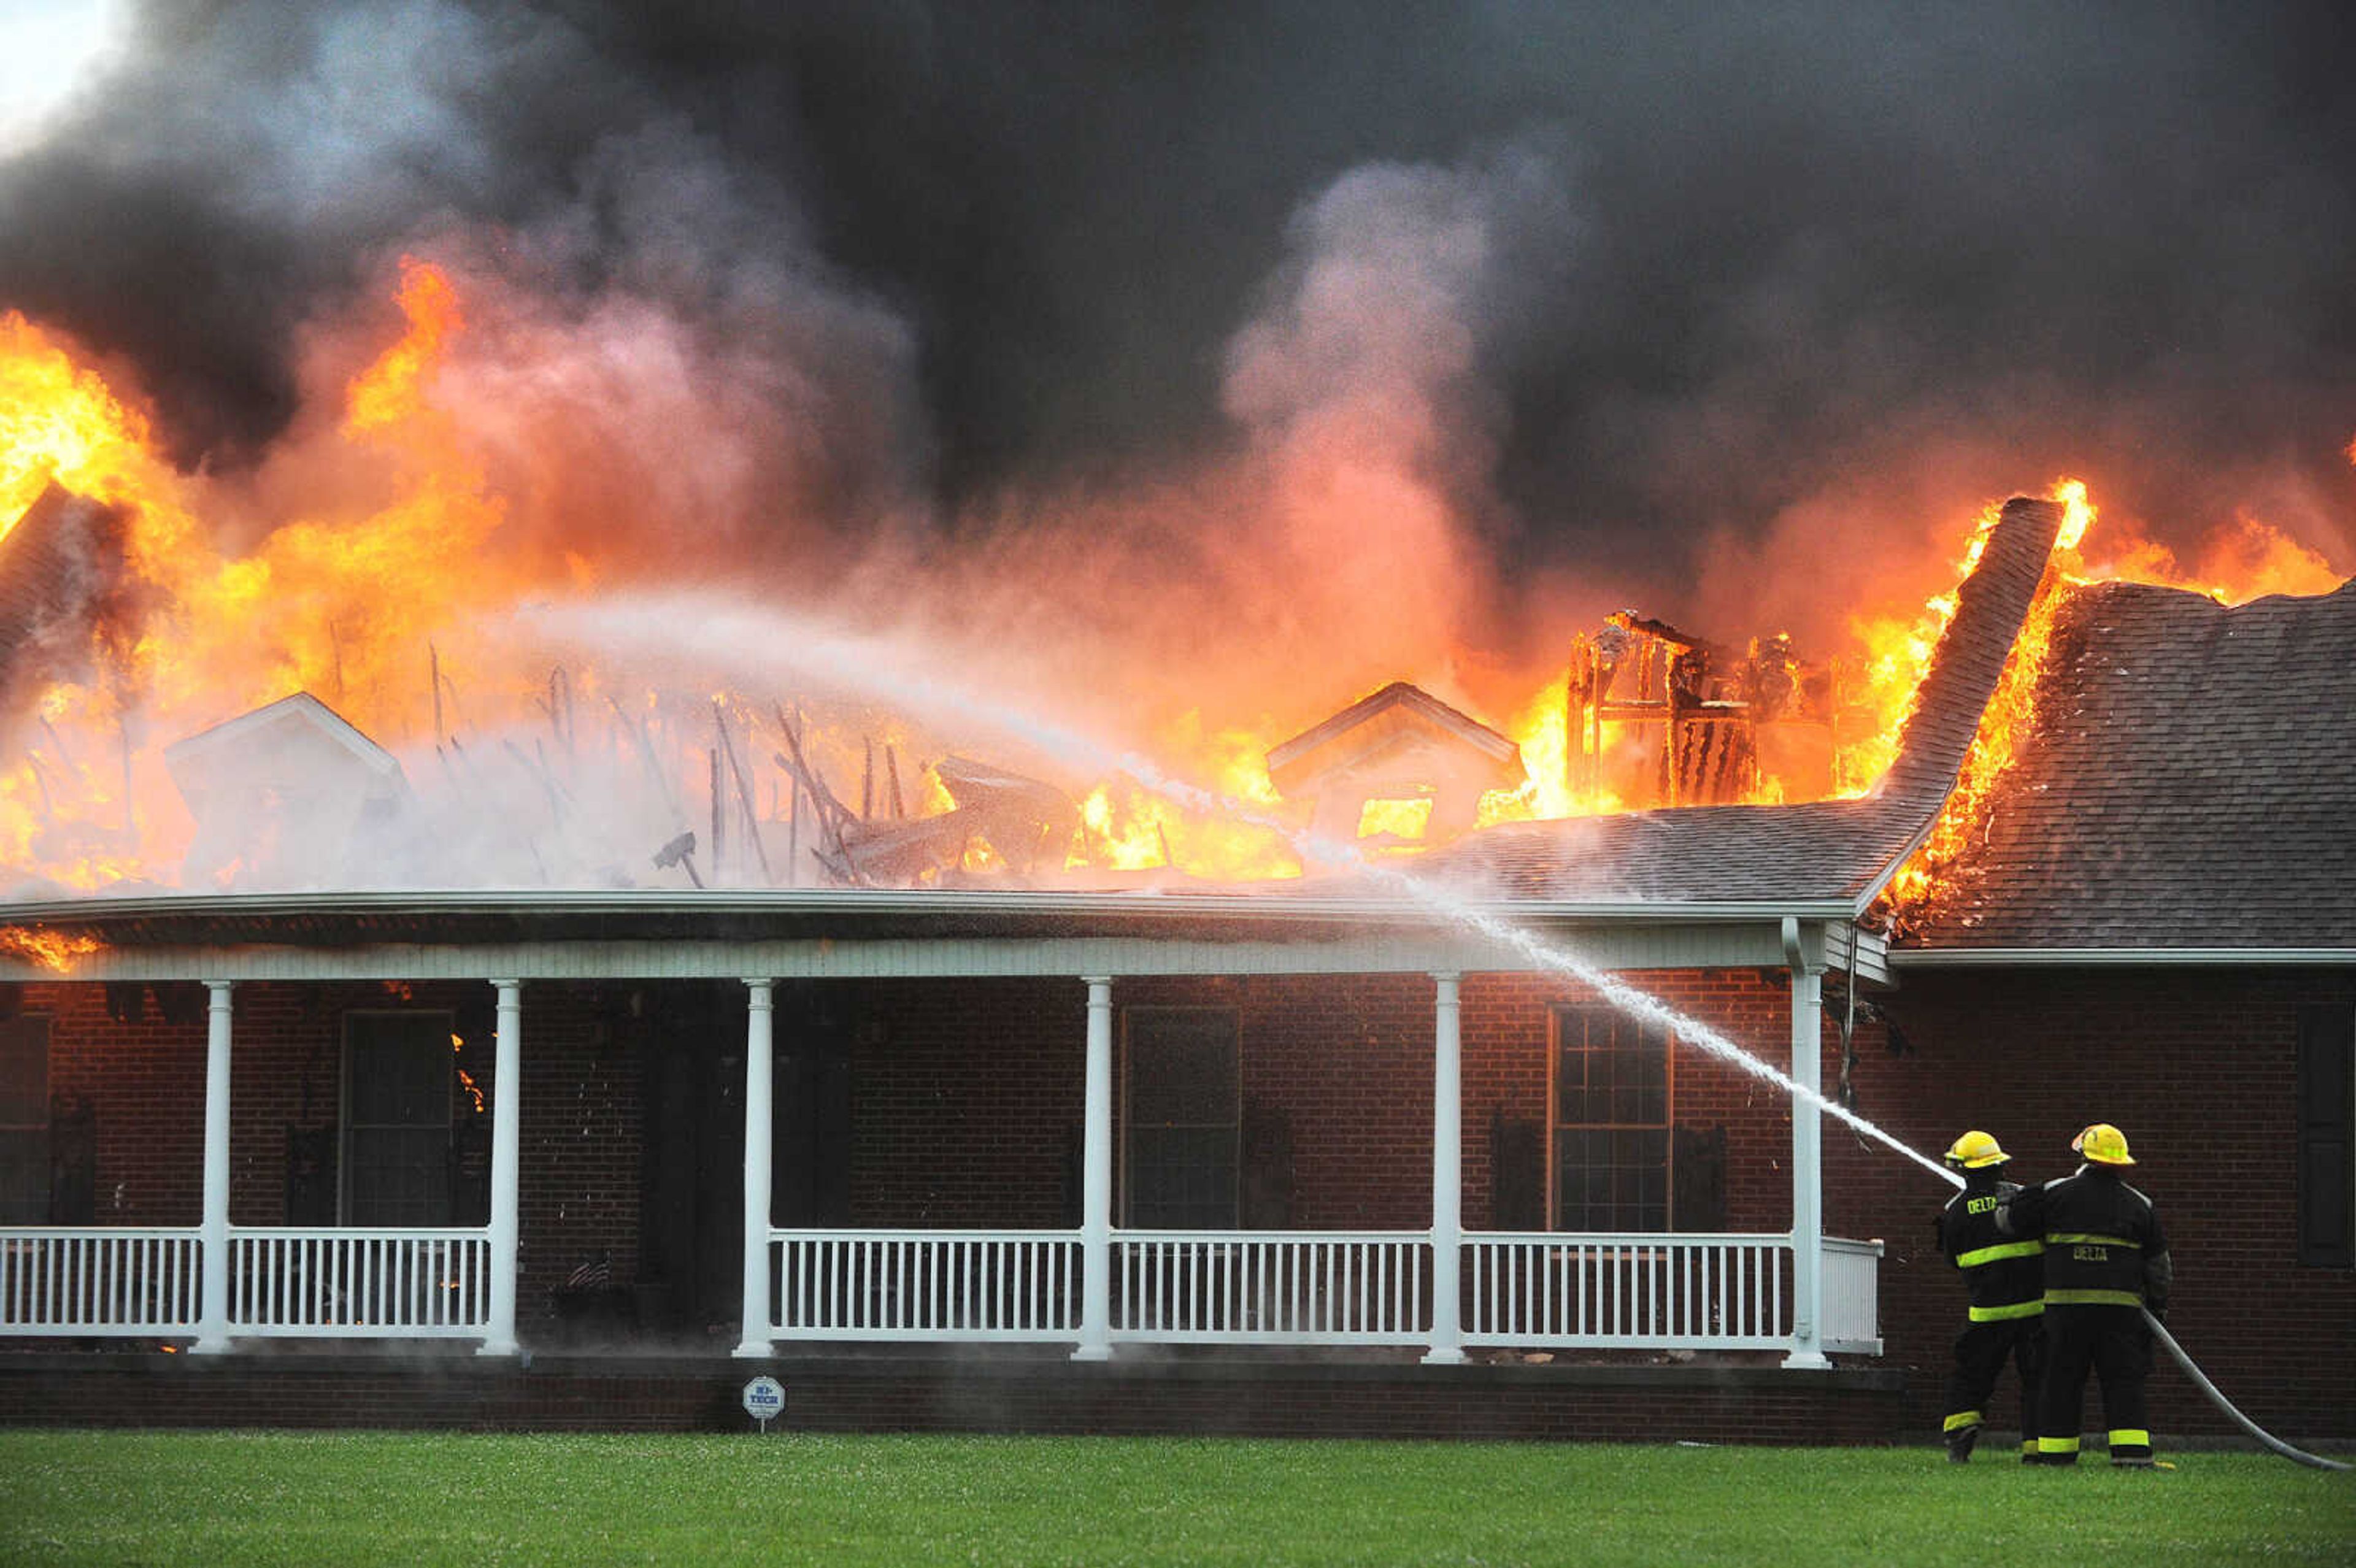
x=1285 y=1287
x=926 y=1285
x=1851 y=1282
x=394 y=1284
x=1685 y=1291
x=99 y=1280
x=1288 y=1287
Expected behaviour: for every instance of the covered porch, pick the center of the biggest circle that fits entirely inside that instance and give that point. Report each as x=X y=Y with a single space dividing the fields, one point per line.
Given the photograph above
x=1423 y=1285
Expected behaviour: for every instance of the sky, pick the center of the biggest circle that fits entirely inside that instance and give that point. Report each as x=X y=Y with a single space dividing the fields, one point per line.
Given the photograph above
x=1683 y=305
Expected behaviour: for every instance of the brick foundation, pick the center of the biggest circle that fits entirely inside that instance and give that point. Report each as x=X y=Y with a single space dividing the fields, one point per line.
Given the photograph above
x=940 y=1392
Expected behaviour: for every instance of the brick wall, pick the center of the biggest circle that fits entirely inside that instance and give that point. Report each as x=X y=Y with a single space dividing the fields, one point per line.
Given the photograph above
x=143 y=1082
x=2197 y=1067
x=966 y=1101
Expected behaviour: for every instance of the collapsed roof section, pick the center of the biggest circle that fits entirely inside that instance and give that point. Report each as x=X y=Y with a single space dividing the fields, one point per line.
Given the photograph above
x=250 y=782
x=1829 y=850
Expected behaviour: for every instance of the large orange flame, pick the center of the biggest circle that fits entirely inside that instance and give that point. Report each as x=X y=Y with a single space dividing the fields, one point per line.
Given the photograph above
x=53 y=950
x=60 y=421
x=392 y=389
x=2006 y=723
x=368 y=592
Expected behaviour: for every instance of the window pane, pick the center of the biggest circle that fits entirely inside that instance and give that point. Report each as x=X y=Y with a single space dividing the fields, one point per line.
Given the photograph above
x=1183 y=1108
x=1610 y=1070
x=397 y=1141
x=1181 y=1068
x=1612 y=1115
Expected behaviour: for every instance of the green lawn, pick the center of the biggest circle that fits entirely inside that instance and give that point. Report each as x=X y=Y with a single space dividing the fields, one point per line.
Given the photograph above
x=240 y=1498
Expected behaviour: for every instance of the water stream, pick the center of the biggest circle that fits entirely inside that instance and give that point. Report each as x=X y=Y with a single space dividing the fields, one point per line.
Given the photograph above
x=884 y=671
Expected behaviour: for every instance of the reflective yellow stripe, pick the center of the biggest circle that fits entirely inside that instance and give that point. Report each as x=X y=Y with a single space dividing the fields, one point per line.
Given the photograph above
x=2029 y=1445
x=2133 y=1436
x=2057 y=1445
x=2092 y=1299
x=2001 y=1314
x=1979 y=1255
x=2066 y=1238
x=1962 y=1418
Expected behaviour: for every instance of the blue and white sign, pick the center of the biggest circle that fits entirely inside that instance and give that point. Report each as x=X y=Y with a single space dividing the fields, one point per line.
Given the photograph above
x=765 y=1400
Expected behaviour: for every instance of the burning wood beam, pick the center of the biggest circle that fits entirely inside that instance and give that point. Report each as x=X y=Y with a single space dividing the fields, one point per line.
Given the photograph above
x=743 y=794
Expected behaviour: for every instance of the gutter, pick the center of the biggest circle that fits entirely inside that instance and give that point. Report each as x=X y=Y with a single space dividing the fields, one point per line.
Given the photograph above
x=854 y=903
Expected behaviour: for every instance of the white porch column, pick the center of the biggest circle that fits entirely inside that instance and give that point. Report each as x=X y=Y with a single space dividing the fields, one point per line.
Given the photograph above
x=1447 y=1173
x=1808 y=1155
x=212 y=1306
x=759 y=1138
x=506 y=1156
x=1095 y=1181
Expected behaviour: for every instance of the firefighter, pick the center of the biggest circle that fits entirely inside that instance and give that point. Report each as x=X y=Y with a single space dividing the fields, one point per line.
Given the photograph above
x=2006 y=1278
x=2105 y=1259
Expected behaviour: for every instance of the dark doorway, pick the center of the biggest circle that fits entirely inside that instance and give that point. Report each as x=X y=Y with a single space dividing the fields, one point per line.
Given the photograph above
x=692 y=1048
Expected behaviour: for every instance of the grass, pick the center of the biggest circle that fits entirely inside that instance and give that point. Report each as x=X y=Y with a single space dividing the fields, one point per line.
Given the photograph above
x=403 y=1498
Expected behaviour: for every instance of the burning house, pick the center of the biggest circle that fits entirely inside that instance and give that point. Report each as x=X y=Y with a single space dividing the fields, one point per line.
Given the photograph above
x=1478 y=1134
x=661 y=715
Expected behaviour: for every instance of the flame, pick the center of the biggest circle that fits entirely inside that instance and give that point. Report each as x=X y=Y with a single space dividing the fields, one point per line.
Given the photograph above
x=60 y=421
x=1402 y=819
x=371 y=595
x=391 y=390
x=2007 y=722
x=2236 y=565
x=321 y=604
x=54 y=950
x=466 y=1079
x=2244 y=560
x=1127 y=827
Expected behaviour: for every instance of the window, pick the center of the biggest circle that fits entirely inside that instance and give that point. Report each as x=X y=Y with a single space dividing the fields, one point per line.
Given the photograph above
x=2326 y=1121
x=1610 y=1102
x=1182 y=1118
x=24 y=1121
x=397 y=1103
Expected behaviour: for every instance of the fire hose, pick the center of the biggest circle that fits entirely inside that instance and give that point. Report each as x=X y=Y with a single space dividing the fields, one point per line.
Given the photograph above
x=2200 y=1381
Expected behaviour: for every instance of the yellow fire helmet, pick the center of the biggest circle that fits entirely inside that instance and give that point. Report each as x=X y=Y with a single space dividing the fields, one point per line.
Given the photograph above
x=1974 y=1150
x=2104 y=1143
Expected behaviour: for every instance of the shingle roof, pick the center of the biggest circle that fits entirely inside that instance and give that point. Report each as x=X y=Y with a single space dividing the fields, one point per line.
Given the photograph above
x=2191 y=783
x=1832 y=850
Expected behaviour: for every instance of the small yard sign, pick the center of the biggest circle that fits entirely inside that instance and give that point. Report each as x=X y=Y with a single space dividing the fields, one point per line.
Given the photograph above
x=765 y=1400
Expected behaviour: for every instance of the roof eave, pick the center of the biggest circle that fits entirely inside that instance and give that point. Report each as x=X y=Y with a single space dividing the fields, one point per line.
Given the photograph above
x=2107 y=957
x=84 y=911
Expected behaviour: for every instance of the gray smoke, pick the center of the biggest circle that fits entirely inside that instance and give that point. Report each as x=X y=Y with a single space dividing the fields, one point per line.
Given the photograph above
x=1777 y=277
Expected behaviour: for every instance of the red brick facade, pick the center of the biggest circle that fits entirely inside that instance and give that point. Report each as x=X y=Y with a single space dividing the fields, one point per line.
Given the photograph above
x=2198 y=1068
x=965 y=1103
